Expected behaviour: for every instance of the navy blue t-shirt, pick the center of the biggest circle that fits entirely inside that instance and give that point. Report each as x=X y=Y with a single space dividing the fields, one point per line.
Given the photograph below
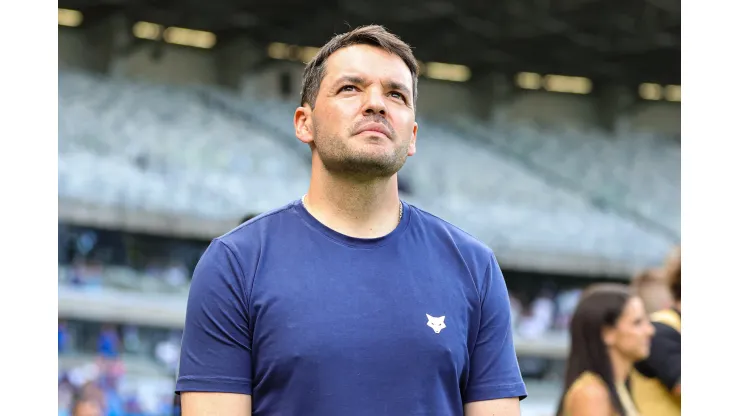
x=312 y=322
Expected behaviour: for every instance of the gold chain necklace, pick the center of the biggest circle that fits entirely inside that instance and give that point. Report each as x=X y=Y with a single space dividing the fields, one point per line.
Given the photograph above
x=400 y=207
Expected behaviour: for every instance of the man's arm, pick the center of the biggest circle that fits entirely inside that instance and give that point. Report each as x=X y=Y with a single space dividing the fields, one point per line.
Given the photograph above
x=216 y=404
x=495 y=382
x=215 y=376
x=508 y=406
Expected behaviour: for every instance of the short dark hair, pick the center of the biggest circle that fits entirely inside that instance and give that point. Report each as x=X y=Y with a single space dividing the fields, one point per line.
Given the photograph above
x=373 y=35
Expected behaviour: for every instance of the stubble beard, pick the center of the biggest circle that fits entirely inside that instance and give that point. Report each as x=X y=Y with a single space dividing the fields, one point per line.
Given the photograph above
x=339 y=158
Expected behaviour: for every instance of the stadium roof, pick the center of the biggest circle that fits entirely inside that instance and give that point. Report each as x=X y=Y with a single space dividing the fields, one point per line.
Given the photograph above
x=629 y=41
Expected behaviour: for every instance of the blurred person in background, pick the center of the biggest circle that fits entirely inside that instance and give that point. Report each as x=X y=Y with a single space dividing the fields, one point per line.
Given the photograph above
x=109 y=351
x=114 y=404
x=108 y=342
x=91 y=392
x=86 y=273
x=566 y=302
x=167 y=351
x=350 y=301
x=652 y=287
x=610 y=331
x=133 y=407
x=656 y=383
x=66 y=395
x=176 y=274
x=62 y=336
x=176 y=406
x=516 y=309
x=131 y=339
x=102 y=391
x=540 y=316
x=86 y=406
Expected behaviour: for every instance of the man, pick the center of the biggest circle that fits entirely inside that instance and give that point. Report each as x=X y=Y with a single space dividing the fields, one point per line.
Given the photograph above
x=85 y=406
x=651 y=286
x=656 y=383
x=350 y=301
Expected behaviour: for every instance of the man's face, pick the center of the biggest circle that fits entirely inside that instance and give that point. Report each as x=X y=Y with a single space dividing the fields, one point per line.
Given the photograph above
x=363 y=121
x=88 y=408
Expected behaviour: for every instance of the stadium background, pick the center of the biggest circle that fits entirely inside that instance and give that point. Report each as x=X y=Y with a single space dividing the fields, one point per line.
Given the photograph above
x=550 y=130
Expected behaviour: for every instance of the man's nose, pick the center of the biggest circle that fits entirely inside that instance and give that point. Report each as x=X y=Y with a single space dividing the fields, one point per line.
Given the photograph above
x=374 y=103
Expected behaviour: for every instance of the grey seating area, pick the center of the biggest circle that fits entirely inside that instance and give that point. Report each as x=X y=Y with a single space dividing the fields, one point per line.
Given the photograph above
x=143 y=146
x=206 y=154
x=517 y=208
x=637 y=170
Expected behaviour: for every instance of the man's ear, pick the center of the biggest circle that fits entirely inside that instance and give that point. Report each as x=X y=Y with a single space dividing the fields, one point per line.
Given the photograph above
x=412 y=143
x=303 y=122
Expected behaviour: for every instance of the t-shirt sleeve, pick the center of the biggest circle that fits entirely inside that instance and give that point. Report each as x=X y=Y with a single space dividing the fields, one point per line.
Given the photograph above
x=664 y=362
x=216 y=352
x=494 y=369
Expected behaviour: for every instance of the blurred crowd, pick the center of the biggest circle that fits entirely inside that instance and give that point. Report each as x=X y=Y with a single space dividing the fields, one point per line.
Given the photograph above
x=93 y=370
x=625 y=351
x=129 y=370
x=550 y=310
x=157 y=276
x=98 y=385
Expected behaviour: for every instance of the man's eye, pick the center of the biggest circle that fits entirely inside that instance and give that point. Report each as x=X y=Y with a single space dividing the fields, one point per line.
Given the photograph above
x=348 y=88
x=398 y=95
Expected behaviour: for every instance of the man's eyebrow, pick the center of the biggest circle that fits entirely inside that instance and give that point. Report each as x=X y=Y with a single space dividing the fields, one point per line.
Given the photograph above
x=395 y=85
x=352 y=79
x=390 y=84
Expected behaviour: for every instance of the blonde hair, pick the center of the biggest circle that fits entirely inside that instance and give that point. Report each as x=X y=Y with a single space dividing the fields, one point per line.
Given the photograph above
x=652 y=287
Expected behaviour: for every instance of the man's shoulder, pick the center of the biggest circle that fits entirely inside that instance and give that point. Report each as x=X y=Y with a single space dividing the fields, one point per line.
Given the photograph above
x=466 y=243
x=257 y=227
x=667 y=317
x=666 y=329
x=665 y=337
x=665 y=342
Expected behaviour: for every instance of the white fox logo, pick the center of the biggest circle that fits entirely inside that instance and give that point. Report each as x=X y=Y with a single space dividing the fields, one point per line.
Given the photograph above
x=437 y=324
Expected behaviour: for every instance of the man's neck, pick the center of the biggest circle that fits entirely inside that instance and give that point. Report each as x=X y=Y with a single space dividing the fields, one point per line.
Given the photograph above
x=361 y=209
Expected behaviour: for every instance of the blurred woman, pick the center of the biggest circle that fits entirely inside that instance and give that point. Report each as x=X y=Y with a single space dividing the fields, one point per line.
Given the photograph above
x=610 y=331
